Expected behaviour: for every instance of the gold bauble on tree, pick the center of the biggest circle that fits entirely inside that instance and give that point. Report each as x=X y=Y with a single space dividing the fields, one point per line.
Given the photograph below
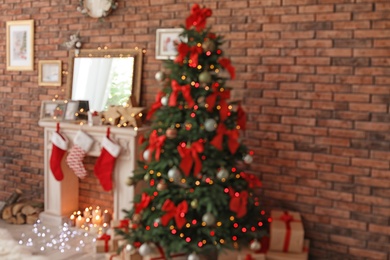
x=205 y=77
x=171 y=133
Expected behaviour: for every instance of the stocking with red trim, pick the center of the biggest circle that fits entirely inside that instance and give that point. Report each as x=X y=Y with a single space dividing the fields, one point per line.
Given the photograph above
x=106 y=162
x=60 y=146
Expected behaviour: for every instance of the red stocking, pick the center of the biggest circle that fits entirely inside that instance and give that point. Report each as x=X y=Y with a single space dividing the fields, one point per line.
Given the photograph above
x=60 y=145
x=106 y=162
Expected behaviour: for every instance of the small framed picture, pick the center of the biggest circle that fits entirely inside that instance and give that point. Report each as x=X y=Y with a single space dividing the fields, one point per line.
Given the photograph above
x=20 y=45
x=53 y=110
x=166 y=43
x=49 y=73
x=72 y=110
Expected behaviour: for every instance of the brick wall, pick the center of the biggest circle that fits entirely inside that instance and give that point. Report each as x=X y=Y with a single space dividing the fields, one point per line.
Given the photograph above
x=315 y=79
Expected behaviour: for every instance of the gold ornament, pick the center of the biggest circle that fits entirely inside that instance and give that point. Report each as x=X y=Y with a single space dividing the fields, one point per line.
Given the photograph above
x=161 y=186
x=130 y=181
x=171 y=133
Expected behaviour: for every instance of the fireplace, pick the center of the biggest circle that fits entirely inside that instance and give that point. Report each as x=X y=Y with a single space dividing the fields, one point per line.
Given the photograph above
x=61 y=198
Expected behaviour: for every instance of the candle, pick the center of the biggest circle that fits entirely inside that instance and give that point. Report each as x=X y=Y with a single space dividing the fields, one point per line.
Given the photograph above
x=97 y=212
x=97 y=220
x=79 y=221
x=72 y=220
x=106 y=217
x=87 y=213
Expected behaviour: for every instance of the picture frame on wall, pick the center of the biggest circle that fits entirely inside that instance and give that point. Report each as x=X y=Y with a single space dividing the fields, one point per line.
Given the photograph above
x=166 y=42
x=49 y=73
x=53 y=110
x=20 y=45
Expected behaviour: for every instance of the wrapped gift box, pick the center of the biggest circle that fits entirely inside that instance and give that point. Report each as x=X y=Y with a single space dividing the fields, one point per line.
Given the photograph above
x=160 y=257
x=250 y=256
x=286 y=232
x=103 y=246
x=303 y=255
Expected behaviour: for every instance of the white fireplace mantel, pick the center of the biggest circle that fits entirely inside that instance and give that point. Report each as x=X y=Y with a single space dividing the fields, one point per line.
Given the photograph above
x=61 y=197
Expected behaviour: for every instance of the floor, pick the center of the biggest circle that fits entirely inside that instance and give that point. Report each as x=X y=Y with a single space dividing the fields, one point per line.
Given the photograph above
x=40 y=242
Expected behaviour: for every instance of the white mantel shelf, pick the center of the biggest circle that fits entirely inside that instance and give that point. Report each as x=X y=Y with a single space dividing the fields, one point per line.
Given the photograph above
x=61 y=197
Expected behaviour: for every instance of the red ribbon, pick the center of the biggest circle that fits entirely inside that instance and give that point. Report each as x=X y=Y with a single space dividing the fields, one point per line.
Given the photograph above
x=251 y=179
x=232 y=135
x=287 y=218
x=186 y=92
x=182 y=51
x=249 y=257
x=106 y=238
x=156 y=143
x=238 y=202
x=223 y=96
x=145 y=200
x=241 y=118
x=178 y=213
x=190 y=157
x=194 y=55
x=198 y=17
x=225 y=62
x=156 y=105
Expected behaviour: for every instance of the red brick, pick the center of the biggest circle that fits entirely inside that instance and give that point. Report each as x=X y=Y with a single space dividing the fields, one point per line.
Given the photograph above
x=370 y=254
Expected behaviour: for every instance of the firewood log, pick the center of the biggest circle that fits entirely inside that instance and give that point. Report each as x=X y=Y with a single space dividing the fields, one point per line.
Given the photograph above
x=28 y=210
x=17 y=207
x=20 y=218
x=13 y=197
x=7 y=212
x=31 y=219
x=11 y=220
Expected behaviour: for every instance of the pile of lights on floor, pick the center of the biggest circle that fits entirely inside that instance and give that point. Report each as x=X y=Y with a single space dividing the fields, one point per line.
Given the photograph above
x=65 y=239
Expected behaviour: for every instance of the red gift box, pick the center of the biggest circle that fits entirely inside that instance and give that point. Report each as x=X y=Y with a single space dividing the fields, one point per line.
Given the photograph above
x=286 y=232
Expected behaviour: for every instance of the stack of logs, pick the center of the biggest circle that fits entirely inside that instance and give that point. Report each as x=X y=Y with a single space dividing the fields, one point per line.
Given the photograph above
x=17 y=211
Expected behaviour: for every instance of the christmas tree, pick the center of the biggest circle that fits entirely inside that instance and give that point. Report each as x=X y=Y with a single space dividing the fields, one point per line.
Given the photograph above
x=196 y=196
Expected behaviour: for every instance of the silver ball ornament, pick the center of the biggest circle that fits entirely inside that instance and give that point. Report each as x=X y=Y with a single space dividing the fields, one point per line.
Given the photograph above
x=210 y=125
x=255 y=245
x=145 y=249
x=174 y=175
x=248 y=159
x=209 y=219
x=146 y=155
x=130 y=248
x=164 y=101
x=222 y=174
x=193 y=256
x=147 y=177
x=159 y=76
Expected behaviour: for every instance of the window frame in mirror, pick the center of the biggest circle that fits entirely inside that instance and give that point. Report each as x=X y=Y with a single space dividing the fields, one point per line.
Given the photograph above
x=137 y=54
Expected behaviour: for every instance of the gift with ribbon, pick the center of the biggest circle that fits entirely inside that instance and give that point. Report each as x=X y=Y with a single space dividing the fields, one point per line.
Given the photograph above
x=303 y=255
x=103 y=244
x=286 y=232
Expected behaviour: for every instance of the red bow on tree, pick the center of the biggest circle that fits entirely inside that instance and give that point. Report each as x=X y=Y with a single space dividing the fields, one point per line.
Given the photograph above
x=156 y=143
x=190 y=156
x=185 y=90
x=223 y=96
x=225 y=62
x=182 y=51
x=238 y=202
x=232 y=135
x=145 y=200
x=198 y=17
x=252 y=180
x=178 y=213
x=241 y=117
x=194 y=55
x=156 y=105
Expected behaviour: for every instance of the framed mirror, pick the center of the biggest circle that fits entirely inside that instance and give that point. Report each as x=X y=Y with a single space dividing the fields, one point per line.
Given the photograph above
x=105 y=77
